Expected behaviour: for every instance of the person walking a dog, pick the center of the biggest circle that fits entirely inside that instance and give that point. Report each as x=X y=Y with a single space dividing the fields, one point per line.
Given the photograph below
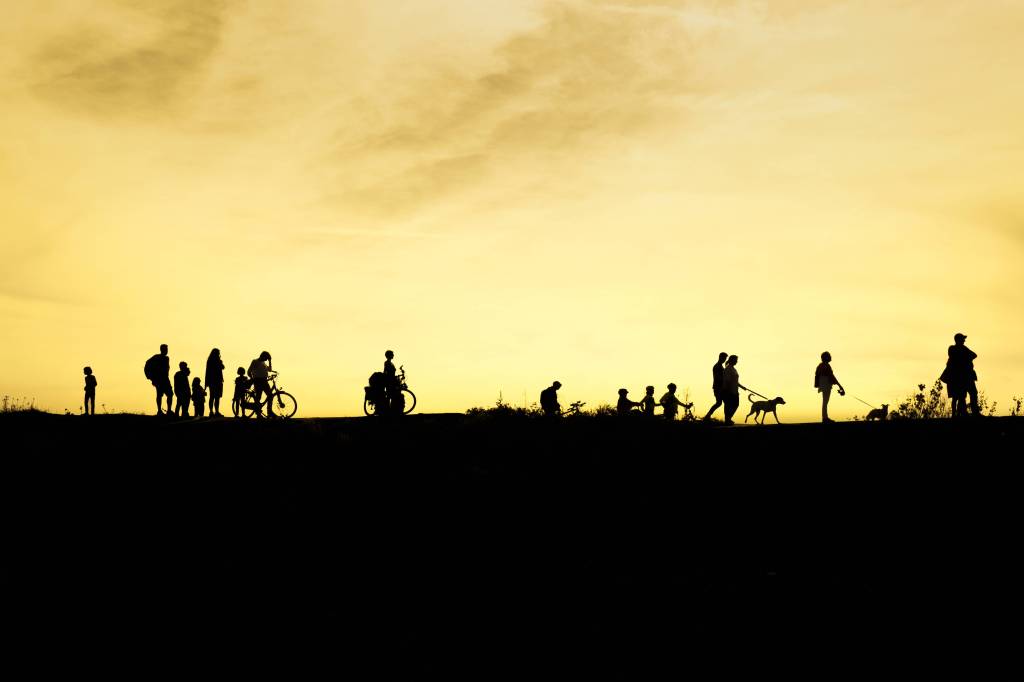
x=824 y=380
x=716 y=384
x=731 y=388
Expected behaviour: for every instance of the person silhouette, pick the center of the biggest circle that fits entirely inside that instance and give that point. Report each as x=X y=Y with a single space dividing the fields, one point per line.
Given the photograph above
x=670 y=403
x=716 y=384
x=549 y=400
x=241 y=386
x=215 y=380
x=198 y=397
x=824 y=380
x=731 y=388
x=625 y=406
x=647 y=403
x=158 y=371
x=182 y=392
x=90 y=391
x=960 y=377
x=259 y=372
x=391 y=387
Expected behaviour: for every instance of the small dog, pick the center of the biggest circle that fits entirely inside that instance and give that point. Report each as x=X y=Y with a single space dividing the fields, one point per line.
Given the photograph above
x=878 y=413
x=762 y=408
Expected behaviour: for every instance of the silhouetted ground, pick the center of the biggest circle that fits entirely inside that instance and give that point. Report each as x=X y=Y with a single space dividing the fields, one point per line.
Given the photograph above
x=441 y=545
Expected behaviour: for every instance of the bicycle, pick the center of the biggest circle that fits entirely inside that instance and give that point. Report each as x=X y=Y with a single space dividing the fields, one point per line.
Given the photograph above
x=284 y=404
x=401 y=402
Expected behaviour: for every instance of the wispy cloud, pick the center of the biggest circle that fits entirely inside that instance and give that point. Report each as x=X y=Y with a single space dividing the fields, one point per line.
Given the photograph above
x=140 y=61
x=584 y=78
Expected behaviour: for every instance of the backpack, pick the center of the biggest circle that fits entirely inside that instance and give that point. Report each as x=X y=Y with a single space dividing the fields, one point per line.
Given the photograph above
x=151 y=367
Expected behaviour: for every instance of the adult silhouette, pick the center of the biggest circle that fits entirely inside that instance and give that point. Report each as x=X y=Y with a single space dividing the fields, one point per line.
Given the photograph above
x=731 y=387
x=716 y=383
x=824 y=380
x=158 y=371
x=259 y=372
x=182 y=390
x=624 y=405
x=549 y=400
x=960 y=377
x=214 y=380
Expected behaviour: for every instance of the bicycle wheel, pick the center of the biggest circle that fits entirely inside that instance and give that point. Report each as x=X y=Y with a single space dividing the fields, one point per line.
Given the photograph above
x=249 y=406
x=369 y=408
x=285 y=405
x=410 y=401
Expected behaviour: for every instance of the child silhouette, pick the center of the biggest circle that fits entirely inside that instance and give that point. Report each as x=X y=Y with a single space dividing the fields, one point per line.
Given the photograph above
x=90 y=391
x=198 y=397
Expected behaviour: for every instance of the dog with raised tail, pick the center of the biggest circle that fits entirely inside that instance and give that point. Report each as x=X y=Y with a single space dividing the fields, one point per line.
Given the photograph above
x=762 y=408
x=880 y=413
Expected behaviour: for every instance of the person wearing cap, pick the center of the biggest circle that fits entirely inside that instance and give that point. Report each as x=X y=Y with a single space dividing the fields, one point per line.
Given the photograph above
x=549 y=400
x=625 y=406
x=670 y=403
x=824 y=380
x=259 y=372
x=960 y=377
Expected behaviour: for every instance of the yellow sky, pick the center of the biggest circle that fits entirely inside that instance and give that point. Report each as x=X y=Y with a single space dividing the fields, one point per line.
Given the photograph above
x=508 y=192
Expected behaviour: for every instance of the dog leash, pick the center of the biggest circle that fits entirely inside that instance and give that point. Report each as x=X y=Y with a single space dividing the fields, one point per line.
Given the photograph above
x=863 y=401
x=756 y=393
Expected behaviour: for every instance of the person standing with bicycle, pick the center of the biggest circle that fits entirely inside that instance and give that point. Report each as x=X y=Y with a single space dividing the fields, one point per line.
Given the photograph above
x=259 y=372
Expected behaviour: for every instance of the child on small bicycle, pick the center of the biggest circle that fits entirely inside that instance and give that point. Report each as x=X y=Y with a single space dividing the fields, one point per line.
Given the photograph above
x=241 y=386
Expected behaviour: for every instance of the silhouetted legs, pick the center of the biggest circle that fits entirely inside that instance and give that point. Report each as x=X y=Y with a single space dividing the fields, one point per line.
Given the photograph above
x=826 y=393
x=732 y=403
x=263 y=386
x=163 y=388
x=181 y=409
x=972 y=391
x=718 y=403
x=216 y=390
x=90 y=402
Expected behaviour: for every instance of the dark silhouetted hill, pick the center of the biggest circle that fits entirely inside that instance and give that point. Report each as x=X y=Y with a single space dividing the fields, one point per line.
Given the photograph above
x=441 y=545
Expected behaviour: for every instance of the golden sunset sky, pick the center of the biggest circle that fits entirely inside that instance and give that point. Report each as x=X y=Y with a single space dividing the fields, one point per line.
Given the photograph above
x=507 y=192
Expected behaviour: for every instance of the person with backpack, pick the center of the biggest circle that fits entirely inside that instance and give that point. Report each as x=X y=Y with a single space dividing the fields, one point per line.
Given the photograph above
x=158 y=371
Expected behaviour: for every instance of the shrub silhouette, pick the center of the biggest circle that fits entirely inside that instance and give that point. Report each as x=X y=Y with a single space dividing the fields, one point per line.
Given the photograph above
x=934 y=404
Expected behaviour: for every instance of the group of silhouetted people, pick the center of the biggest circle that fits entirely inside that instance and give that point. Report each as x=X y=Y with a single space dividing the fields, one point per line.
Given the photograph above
x=184 y=392
x=959 y=377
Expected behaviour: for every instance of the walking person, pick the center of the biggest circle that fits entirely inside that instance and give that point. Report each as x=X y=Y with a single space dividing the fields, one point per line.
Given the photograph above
x=824 y=380
x=716 y=384
x=215 y=381
x=960 y=377
x=158 y=371
x=90 y=391
x=731 y=388
x=182 y=391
